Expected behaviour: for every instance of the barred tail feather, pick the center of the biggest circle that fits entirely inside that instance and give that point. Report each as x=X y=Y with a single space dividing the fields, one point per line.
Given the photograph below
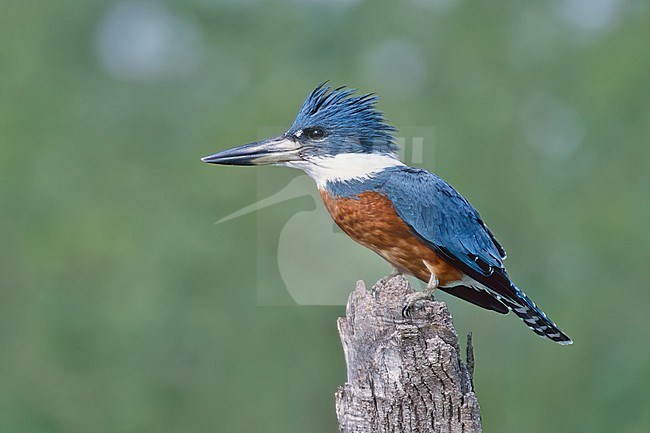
x=535 y=318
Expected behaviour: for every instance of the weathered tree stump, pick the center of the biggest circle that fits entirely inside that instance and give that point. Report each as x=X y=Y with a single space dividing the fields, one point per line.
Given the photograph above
x=404 y=374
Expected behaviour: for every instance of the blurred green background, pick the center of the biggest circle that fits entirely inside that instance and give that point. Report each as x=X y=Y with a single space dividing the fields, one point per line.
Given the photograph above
x=124 y=308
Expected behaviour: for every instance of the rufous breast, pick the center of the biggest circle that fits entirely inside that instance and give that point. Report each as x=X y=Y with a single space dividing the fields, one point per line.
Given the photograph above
x=370 y=219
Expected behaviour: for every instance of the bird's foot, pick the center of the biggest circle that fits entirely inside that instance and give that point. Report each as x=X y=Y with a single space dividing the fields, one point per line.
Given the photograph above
x=427 y=293
x=413 y=298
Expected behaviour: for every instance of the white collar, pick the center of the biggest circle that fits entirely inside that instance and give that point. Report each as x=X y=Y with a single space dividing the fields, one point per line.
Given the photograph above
x=345 y=166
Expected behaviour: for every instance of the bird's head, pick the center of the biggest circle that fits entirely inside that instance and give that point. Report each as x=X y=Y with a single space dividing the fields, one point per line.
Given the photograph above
x=334 y=128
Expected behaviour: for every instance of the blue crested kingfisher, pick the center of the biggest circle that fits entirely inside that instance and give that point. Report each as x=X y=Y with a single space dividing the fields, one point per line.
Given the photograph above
x=412 y=218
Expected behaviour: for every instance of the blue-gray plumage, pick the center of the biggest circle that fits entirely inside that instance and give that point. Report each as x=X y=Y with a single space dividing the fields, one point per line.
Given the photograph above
x=352 y=119
x=410 y=217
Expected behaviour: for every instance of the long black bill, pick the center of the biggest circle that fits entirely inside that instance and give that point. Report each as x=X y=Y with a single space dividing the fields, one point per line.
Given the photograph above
x=272 y=151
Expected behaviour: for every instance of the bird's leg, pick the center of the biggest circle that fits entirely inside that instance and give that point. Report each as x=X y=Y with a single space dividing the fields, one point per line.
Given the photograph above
x=427 y=293
x=433 y=283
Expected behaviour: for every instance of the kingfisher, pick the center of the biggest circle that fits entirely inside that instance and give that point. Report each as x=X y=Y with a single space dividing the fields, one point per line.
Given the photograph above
x=410 y=217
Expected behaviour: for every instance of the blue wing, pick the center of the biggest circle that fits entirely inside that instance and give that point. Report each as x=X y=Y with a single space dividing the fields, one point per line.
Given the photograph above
x=446 y=220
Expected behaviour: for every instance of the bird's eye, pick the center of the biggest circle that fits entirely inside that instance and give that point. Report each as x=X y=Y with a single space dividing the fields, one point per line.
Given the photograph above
x=315 y=133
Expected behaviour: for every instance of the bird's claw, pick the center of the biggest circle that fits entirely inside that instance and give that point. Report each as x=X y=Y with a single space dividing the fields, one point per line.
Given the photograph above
x=406 y=311
x=412 y=299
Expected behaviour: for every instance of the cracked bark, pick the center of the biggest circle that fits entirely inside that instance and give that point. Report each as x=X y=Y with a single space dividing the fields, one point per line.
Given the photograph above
x=404 y=374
